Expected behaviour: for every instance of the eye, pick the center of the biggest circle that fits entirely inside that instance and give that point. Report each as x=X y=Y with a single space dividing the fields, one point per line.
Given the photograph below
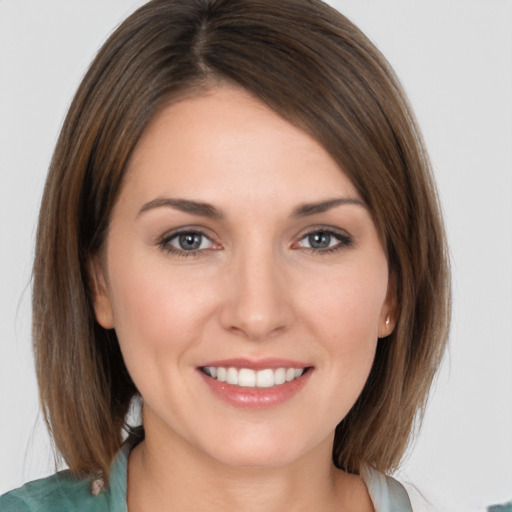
x=186 y=243
x=324 y=240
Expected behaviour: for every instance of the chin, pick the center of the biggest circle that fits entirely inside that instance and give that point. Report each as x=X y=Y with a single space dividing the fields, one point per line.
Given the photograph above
x=251 y=458
x=261 y=450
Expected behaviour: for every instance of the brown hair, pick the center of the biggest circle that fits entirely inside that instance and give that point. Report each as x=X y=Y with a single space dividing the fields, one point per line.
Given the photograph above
x=316 y=69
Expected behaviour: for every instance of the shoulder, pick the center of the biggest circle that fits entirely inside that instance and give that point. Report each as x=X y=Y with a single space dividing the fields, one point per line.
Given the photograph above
x=63 y=492
x=59 y=492
x=387 y=494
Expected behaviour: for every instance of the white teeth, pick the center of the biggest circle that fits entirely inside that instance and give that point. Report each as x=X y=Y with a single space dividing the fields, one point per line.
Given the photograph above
x=221 y=374
x=265 y=379
x=248 y=378
x=210 y=371
x=232 y=376
x=280 y=376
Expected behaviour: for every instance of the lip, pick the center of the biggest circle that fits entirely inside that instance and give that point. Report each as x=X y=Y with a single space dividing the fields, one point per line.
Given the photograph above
x=256 y=364
x=256 y=398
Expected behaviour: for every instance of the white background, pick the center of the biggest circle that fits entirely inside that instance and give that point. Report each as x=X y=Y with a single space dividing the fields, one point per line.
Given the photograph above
x=455 y=61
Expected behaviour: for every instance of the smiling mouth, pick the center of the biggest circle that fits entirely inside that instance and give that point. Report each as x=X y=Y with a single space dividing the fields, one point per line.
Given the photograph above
x=249 y=378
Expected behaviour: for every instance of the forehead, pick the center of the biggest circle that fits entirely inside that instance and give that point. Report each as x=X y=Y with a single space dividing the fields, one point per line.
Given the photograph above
x=227 y=145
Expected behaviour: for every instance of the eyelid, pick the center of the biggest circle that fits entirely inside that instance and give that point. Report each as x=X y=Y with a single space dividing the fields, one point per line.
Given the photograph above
x=164 y=241
x=344 y=237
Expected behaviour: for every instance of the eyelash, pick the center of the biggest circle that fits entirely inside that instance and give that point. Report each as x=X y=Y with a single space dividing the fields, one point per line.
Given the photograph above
x=165 y=243
x=343 y=238
x=344 y=241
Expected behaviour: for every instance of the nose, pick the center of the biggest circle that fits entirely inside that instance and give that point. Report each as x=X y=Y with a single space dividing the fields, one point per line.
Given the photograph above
x=257 y=297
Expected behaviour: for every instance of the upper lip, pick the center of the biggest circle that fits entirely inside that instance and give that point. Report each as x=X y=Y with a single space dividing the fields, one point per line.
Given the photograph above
x=256 y=364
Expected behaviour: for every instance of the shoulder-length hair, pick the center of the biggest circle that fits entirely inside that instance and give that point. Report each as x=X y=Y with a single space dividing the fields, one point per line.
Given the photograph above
x=313 y=67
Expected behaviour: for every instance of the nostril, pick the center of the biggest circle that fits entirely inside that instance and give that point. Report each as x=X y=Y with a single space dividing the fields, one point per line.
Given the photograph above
x=257 y=302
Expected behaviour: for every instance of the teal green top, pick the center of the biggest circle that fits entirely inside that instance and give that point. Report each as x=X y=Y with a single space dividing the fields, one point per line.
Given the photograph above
x=63 y=493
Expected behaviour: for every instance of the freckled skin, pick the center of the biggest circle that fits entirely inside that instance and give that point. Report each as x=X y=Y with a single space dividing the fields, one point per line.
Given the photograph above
x=255 y=288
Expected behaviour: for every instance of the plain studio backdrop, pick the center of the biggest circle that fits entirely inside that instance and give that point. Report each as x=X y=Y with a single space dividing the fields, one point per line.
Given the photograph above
x=454 y=58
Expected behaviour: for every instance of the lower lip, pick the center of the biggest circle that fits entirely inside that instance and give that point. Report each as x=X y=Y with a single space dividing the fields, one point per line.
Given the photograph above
x=256 y=398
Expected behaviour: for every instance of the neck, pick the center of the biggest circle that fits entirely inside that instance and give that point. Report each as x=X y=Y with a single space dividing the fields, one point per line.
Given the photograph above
x=177 y=476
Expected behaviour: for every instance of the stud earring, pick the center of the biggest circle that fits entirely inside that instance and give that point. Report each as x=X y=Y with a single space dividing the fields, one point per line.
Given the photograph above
x=387 y=321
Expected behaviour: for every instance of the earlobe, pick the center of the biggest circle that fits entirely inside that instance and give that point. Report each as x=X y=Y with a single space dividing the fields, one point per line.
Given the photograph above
x=100 y=296
x=386 y=326
x=386 y=329
x=387 y=320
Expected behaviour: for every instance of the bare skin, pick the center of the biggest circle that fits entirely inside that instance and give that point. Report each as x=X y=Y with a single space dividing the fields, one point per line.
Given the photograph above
x=211 y=487
x=237 y=241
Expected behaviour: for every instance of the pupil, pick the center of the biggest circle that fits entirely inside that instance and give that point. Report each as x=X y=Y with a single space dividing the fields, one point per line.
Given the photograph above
x=190 y=241
x=319 y=240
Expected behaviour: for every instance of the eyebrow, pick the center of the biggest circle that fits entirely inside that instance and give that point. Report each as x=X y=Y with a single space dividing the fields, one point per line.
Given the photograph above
x=313 y=208
x=184 y=205
x=210 y=211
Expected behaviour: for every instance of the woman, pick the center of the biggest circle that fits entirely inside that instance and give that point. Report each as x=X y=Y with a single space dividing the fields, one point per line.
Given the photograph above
x=240 y=229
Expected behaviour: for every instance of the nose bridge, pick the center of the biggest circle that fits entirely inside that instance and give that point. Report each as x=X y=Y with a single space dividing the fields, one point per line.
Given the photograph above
x=257 y=304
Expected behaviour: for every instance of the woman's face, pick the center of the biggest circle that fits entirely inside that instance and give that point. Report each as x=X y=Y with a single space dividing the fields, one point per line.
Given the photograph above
x=238 y=250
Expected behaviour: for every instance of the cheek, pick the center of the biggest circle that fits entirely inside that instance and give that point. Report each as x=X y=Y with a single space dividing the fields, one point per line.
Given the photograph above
x=345 y=321
x=350 y=305
x=345 y=314
x=157 y=310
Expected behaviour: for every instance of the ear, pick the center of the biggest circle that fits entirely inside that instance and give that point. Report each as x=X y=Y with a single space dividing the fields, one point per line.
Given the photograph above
x=388 y=313
x=100 y=295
